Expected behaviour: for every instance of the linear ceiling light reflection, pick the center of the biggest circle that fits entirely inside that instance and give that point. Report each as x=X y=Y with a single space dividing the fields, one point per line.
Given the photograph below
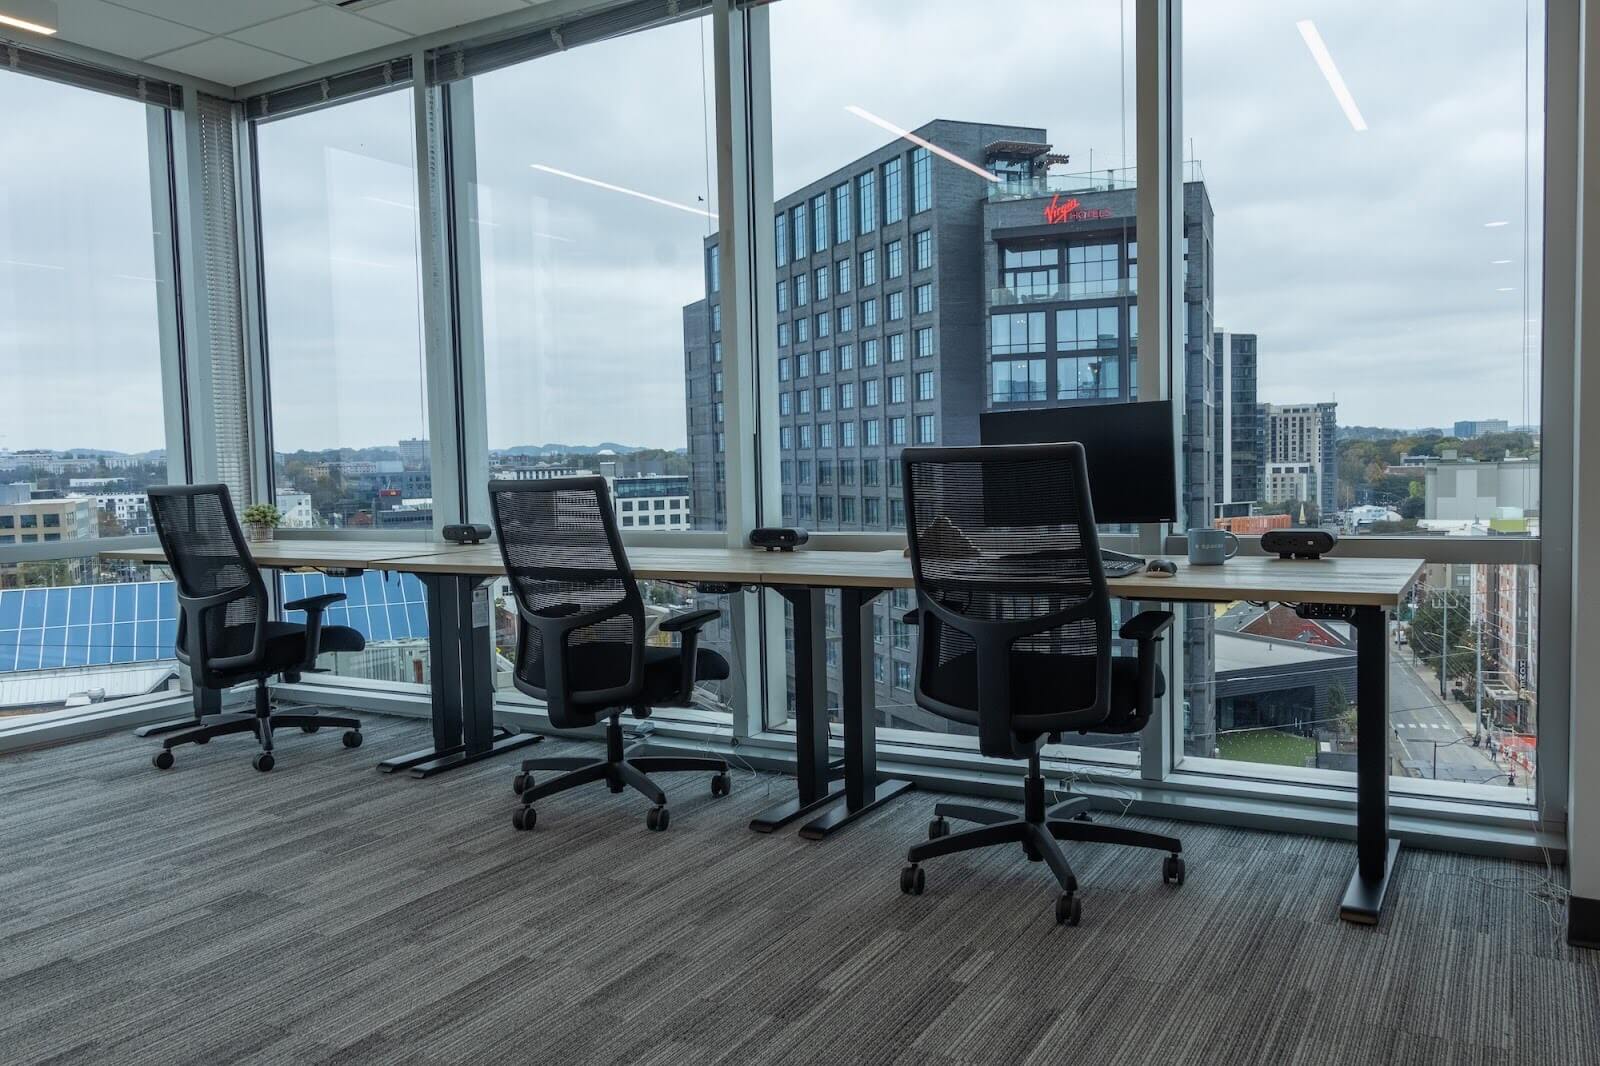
x=618 y=188
x=861 y=112
x=1341 y=92
x=35 y=16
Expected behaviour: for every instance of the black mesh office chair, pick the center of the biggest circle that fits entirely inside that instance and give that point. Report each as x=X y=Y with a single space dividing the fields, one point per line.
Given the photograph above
x=581 y=645
x=224 y=632
x=1015 y=638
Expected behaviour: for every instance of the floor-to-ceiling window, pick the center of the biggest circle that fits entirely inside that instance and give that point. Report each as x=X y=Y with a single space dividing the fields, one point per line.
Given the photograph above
x=343 y=315
x=948 y=246
x=86 y=305
x=595 y=267
x=1362 y=353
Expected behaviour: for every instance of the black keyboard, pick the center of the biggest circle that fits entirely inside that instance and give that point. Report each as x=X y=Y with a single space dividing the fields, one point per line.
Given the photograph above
x=1121 y=567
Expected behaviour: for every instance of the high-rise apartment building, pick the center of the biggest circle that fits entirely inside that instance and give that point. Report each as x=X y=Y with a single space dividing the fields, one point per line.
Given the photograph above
x=1297 y=454
x=911 y=296
x=1236 y=478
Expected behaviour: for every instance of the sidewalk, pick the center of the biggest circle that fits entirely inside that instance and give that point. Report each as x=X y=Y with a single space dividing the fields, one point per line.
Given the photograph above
x=1461 y=711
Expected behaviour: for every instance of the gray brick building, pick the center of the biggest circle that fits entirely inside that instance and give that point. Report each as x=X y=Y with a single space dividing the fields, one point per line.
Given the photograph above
x=914 y=294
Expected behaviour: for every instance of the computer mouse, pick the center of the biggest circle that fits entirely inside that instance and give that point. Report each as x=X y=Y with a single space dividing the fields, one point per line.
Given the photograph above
x=1161 y=568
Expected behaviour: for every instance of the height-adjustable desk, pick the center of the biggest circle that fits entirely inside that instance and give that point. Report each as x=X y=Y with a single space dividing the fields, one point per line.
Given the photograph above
x=1360 y=592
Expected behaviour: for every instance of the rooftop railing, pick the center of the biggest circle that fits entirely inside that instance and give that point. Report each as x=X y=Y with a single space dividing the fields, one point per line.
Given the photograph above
x=1110 y=180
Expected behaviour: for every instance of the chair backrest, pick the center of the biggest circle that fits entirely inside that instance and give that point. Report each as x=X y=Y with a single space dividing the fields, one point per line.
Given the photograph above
x=581 y=640
x=206 y=549
x=1006 y=560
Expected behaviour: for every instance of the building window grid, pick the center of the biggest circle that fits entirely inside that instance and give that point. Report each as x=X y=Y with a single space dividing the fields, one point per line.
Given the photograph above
x=921 y=180
x=797 y=218
x=867 y=202
x=925 y=385
x=923 y=342
x=896 y=305
x=894 y=259
x=894 y=208
x=819 y=222
x=869 y=267
x=841 y=275
x=843 y=218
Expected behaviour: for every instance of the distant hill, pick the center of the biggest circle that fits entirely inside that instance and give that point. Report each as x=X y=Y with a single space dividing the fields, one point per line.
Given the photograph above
x=1385 y=433
x=570 y=449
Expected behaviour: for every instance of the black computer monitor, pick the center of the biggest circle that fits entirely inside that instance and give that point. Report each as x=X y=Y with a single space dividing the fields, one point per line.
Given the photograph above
x=1128 y=447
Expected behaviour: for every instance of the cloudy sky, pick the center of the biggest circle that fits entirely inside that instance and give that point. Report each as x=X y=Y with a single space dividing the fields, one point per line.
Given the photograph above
x=1370 y=263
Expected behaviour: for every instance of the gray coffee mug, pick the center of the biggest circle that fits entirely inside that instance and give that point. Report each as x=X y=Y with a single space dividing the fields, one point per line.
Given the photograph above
x=1211 y=547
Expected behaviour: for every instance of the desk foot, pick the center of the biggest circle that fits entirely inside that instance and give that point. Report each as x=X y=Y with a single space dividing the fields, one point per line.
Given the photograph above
x=155 y=729
x=1363 y=899
x=781 y=814
x=840 y=817
x=430 y=761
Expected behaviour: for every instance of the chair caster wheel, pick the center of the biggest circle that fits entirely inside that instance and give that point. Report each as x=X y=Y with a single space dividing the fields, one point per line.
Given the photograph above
x=163 y=759
x=1069 y=909
x=202 y=740
x=525 y=818
x=310 y=727
x=721 y=784
x=1172 y=870
x=657 y=820
x=352 y=738
x=913 y=880
x=939 y=827
x=263 y=762
x=522 y=782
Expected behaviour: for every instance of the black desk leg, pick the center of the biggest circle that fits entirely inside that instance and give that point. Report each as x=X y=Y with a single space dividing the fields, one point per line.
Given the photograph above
x=460 y=643
x=863 y=791
x=1375 y=849
x=206 y=701
x=812 y=776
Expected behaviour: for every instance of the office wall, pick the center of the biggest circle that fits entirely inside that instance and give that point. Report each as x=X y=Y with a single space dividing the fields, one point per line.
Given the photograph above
x=1583 y=815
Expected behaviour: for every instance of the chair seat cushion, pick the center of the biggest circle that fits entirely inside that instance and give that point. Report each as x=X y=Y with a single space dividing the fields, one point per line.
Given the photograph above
x=286 y=643
x=1047 y=689
x=594 y=665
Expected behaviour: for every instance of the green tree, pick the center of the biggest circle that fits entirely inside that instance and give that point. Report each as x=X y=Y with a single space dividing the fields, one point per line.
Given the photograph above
x=50 y=573
x=1450 y=650
x=1341 y=710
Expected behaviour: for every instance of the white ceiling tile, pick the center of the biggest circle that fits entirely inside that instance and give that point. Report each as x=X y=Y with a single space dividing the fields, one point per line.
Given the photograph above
x=225 y=61
x=120 y=31
x=218 y=16
x=429 y=16
x=318 y=35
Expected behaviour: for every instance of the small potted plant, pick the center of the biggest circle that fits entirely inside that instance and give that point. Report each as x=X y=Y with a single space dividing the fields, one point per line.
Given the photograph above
x=260 y=519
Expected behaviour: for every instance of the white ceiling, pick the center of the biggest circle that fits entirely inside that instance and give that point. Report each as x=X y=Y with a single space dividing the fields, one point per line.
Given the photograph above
x=235 y=42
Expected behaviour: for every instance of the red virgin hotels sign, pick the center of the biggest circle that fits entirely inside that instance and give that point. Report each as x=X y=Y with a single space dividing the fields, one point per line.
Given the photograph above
x=1070 y=210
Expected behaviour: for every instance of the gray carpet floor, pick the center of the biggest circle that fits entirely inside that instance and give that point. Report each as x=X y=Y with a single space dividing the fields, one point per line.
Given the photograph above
x=327 y=913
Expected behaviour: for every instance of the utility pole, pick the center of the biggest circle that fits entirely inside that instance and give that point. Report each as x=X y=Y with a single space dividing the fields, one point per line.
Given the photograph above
x=1444 y=641
x=1477 y=685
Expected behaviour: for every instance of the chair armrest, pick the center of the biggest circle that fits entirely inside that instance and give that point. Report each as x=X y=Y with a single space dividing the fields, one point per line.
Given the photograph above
x=687 y=621
x=1146 y=625
x=911 y=617
x=312 y=604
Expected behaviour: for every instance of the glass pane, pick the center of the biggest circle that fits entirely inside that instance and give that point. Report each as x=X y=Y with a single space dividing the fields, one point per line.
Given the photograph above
x=1463 y=685
x=75 y=632
x=81 y=298
x=935 y=204
x=344 y=316
x=602 y=316
x=600 y=270
x=1372 y=355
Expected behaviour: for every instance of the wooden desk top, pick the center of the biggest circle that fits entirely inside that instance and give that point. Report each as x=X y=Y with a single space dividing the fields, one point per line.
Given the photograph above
x=288 y=554
x=1356 y=582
